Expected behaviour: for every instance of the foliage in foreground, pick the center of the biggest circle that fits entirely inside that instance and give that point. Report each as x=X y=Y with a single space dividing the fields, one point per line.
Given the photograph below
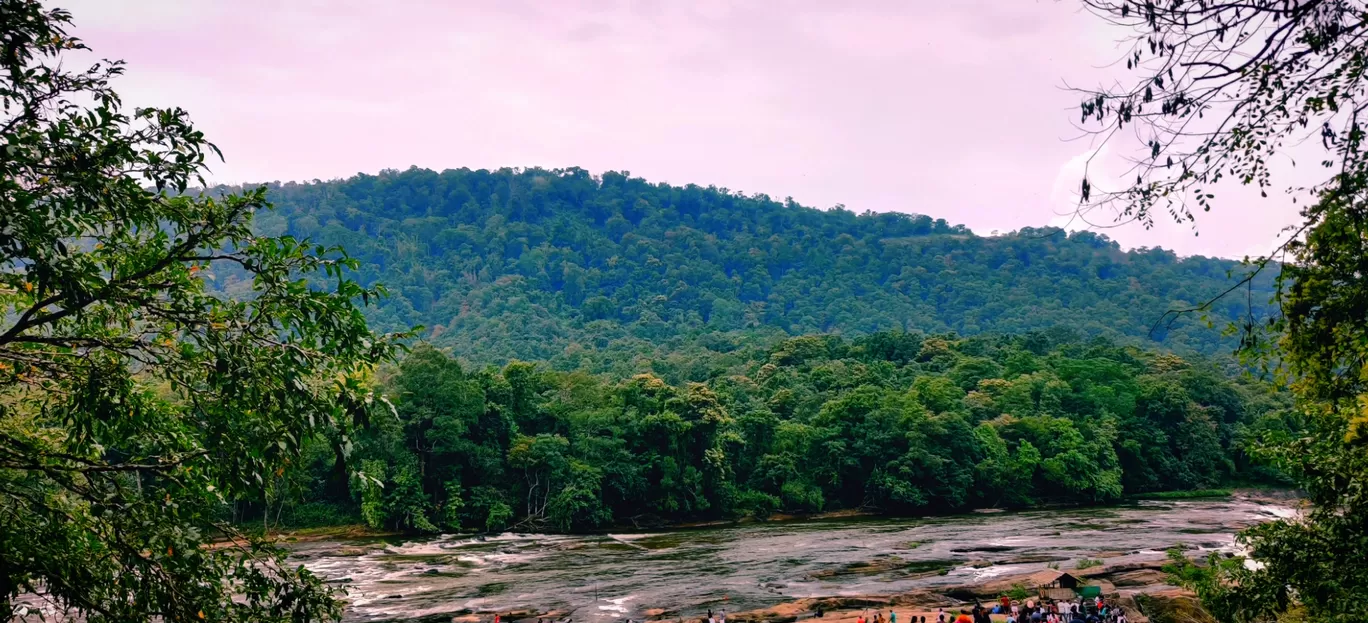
x=1226 y=93
x=894 y=422
x=134 y=403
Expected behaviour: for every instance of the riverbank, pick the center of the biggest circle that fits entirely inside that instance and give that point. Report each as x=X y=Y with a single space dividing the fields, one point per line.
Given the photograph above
x=1267 y=495
x=1136 y=587
x=299 y=536
x=1263 y=495
x=851 y=610
x=914 y=563
x=1157 y=606
x=1142 y=590
x=1260 y=495
x=329 y=533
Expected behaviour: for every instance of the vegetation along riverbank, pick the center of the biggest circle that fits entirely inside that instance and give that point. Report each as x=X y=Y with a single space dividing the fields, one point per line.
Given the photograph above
x=893 y=423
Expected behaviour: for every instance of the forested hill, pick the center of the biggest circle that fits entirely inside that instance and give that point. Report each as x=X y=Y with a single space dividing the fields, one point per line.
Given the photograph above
x=579 y=270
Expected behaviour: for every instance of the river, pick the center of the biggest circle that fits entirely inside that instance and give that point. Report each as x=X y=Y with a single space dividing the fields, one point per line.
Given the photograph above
x=599 y=578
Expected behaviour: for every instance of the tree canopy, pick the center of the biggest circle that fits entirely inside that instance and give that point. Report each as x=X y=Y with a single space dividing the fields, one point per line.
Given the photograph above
x=1223 y=92
x=595 y=272
x=891 y=422
x=135 y=402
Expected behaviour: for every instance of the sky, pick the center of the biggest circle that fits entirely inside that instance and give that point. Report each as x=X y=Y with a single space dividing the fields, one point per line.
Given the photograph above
x=954 y=109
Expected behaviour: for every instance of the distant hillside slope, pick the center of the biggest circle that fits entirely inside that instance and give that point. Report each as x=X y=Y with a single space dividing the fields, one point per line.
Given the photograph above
x=566 y=266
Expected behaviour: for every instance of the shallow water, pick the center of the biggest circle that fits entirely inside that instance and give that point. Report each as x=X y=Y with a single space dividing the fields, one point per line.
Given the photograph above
x=600 y=578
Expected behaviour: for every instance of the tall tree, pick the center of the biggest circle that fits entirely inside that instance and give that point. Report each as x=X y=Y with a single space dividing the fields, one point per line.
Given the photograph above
x=134 y=404
x=1222 y=88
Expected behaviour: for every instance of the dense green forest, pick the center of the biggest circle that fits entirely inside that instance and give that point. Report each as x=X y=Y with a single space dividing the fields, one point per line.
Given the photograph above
x=893 y=421
x=671 y=386
x=614 y=274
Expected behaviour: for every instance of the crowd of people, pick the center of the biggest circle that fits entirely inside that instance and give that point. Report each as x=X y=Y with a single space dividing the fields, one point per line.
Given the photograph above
x=1095 y=610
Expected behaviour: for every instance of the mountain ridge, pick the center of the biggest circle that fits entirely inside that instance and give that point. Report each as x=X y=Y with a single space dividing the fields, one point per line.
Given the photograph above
x=585 y=270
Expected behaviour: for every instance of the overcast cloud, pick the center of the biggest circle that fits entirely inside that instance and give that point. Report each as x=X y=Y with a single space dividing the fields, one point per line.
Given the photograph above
x=948 y=108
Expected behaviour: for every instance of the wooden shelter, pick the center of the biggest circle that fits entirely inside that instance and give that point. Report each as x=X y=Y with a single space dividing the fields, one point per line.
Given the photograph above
x=1054 y=584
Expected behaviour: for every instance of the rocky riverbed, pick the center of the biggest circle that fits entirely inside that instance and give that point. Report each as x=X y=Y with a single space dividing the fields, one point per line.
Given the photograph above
x=773 y=570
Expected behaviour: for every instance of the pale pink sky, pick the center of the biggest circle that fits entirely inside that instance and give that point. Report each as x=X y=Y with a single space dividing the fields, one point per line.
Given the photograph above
x=950 y=108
